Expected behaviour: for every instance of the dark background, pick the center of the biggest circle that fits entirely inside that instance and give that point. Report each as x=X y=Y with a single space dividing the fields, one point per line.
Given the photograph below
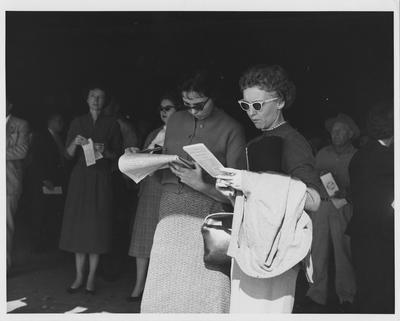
x=339 y=61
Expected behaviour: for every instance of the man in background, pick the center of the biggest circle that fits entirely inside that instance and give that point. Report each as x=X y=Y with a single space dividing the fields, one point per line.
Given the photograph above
x=331 y=220
x=17 y=144
x=46 y=183
x=372 y=225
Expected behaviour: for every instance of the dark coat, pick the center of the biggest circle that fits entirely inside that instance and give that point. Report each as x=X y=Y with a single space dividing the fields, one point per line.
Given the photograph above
x=372 y=190
x=47 y=159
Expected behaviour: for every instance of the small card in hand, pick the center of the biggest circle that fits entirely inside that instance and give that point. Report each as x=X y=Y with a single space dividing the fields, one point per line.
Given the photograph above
x=329 y=183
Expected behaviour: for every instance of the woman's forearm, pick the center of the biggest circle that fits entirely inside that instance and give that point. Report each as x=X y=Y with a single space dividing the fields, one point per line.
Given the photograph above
x=313 y=200
x=210 y=191
x=71 y=149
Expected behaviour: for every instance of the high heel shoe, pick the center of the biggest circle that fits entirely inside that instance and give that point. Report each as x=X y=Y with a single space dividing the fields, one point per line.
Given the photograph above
x=72 y=290
x=135 y=298
x=92 y=292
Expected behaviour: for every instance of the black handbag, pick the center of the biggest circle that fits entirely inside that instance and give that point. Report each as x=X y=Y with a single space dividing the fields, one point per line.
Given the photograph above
x=216 y=231
x=263 y=154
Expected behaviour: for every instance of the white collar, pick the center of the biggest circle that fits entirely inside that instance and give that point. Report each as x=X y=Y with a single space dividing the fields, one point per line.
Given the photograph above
x=7 y=118
x=383 y=143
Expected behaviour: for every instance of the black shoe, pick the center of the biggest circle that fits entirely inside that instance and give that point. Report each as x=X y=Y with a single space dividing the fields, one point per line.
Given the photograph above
x=347 y=307
x=91 y=292
x=134 y=298
x=310 y=306
x=72 y=290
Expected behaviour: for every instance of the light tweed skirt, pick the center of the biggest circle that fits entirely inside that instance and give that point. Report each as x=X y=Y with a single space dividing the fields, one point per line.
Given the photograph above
x=177 y=280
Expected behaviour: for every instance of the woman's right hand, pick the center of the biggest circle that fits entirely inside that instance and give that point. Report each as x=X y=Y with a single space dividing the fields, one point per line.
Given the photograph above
x=131 y=150
x=231 y=177
x=80 y=140
x=224 y=189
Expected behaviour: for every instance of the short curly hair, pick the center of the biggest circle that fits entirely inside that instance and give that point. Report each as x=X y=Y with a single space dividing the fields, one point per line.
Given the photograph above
x=270 y=78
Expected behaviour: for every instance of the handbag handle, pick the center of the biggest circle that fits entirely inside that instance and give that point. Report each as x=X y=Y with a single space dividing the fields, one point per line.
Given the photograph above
x=225 y=220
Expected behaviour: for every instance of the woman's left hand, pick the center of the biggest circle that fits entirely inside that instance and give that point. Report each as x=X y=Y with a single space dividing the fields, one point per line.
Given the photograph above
x=188 y=176
x=231 y=178
x=99 y=147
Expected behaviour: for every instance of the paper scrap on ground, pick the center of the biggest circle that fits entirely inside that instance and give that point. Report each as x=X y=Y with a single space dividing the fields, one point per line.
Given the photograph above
x=203 y=156
x=57 y=190
x=88 y=150
x=137 y=166
x=77 y=309
x=16 y=304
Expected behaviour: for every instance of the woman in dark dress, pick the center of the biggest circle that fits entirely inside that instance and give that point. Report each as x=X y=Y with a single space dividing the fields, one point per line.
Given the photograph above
x=267 y=90
x=146 y=217
x=86 y=229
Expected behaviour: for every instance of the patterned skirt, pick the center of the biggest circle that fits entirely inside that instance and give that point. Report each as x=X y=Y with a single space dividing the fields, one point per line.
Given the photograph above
x=177 y=279
x=146 y=218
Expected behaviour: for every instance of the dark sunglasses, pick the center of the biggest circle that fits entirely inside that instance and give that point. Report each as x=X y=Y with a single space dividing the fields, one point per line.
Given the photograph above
x=256 y=105
x=198 y=106
x=166 y=108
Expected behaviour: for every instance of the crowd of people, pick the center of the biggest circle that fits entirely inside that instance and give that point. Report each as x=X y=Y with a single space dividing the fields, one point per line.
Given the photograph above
x=301 y=214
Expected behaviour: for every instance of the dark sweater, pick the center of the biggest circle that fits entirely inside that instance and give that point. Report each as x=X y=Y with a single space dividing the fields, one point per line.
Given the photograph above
x=297 y=158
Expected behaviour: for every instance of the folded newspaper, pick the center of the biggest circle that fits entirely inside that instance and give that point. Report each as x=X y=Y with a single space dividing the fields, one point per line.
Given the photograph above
x=137 y=166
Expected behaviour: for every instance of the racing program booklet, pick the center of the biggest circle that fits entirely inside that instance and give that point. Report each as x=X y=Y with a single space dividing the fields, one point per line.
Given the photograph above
x=203 y=156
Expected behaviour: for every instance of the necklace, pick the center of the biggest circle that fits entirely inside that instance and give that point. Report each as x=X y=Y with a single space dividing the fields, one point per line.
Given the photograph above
x=274 y=127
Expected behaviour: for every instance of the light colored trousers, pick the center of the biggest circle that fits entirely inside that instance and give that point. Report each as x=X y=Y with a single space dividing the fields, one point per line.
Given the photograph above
x=253 y=295
x=12 y=206
x=329 y=225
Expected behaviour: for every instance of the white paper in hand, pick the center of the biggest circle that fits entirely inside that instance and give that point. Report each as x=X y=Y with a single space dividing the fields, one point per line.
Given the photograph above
x=88 y=151
x=203 y=156
x=331 y=188
x=329 y=183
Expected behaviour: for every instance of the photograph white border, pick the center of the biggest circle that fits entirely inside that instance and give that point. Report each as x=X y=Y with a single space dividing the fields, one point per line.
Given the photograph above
x=195 y=5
